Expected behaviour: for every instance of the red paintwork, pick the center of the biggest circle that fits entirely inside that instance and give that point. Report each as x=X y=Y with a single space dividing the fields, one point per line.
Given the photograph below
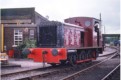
x=11 y=53
x=37 y=56
x=72 y=37
x=85 y=60
x=90 y=34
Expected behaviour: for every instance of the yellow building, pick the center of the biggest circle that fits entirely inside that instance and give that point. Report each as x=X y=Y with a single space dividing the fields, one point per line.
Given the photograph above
x=1 y=38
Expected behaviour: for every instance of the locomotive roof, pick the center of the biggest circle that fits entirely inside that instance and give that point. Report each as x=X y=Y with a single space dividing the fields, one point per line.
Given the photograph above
x=84 y=17
x=56 y=23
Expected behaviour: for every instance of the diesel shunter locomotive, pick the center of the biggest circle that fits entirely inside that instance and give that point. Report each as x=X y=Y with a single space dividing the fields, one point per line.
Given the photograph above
x=59 y=43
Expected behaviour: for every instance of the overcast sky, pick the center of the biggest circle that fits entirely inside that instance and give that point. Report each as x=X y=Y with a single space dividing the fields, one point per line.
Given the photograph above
x=62 y=9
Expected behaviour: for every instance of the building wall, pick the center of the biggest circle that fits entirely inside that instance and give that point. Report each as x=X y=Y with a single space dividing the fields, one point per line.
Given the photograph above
x=9 y=34
x=19 y=18
x=0 y=38
x=8 y=37
x=18 y=14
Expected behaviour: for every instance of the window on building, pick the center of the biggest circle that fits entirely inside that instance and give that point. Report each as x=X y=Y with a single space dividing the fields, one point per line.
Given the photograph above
x=31 y=34
x=18 y=37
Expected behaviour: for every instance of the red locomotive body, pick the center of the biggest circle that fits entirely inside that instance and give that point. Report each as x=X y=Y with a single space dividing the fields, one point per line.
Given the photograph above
x=49 y=55
x=63 y=42
x=88 y=24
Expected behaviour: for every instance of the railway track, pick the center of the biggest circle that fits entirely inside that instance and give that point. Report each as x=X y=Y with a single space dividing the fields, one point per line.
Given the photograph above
x=27 y=74
x=42 y=72
x=36 y=74
x=109 y=76
x=90 y=73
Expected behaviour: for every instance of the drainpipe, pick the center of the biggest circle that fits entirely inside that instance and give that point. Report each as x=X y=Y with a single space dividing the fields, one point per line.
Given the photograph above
x=2 y=38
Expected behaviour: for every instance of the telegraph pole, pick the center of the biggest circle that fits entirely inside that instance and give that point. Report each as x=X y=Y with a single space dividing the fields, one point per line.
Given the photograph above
x=100 y=23
x=104 y=30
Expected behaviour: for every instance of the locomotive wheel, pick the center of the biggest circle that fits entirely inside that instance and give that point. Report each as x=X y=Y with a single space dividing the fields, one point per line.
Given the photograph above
x=89 y=52
x=94 y=54
x=63 y=62
x=97 y=53
x=72 y=59
x=53 y=64
x=82 y=55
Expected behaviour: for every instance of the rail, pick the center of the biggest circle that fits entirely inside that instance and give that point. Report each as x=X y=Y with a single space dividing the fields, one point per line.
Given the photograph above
x=108 y=75
x=77 y=74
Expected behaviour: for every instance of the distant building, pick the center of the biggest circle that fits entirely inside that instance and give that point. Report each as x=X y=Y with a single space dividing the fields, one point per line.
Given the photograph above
x=19 y=24
x=111 y=38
